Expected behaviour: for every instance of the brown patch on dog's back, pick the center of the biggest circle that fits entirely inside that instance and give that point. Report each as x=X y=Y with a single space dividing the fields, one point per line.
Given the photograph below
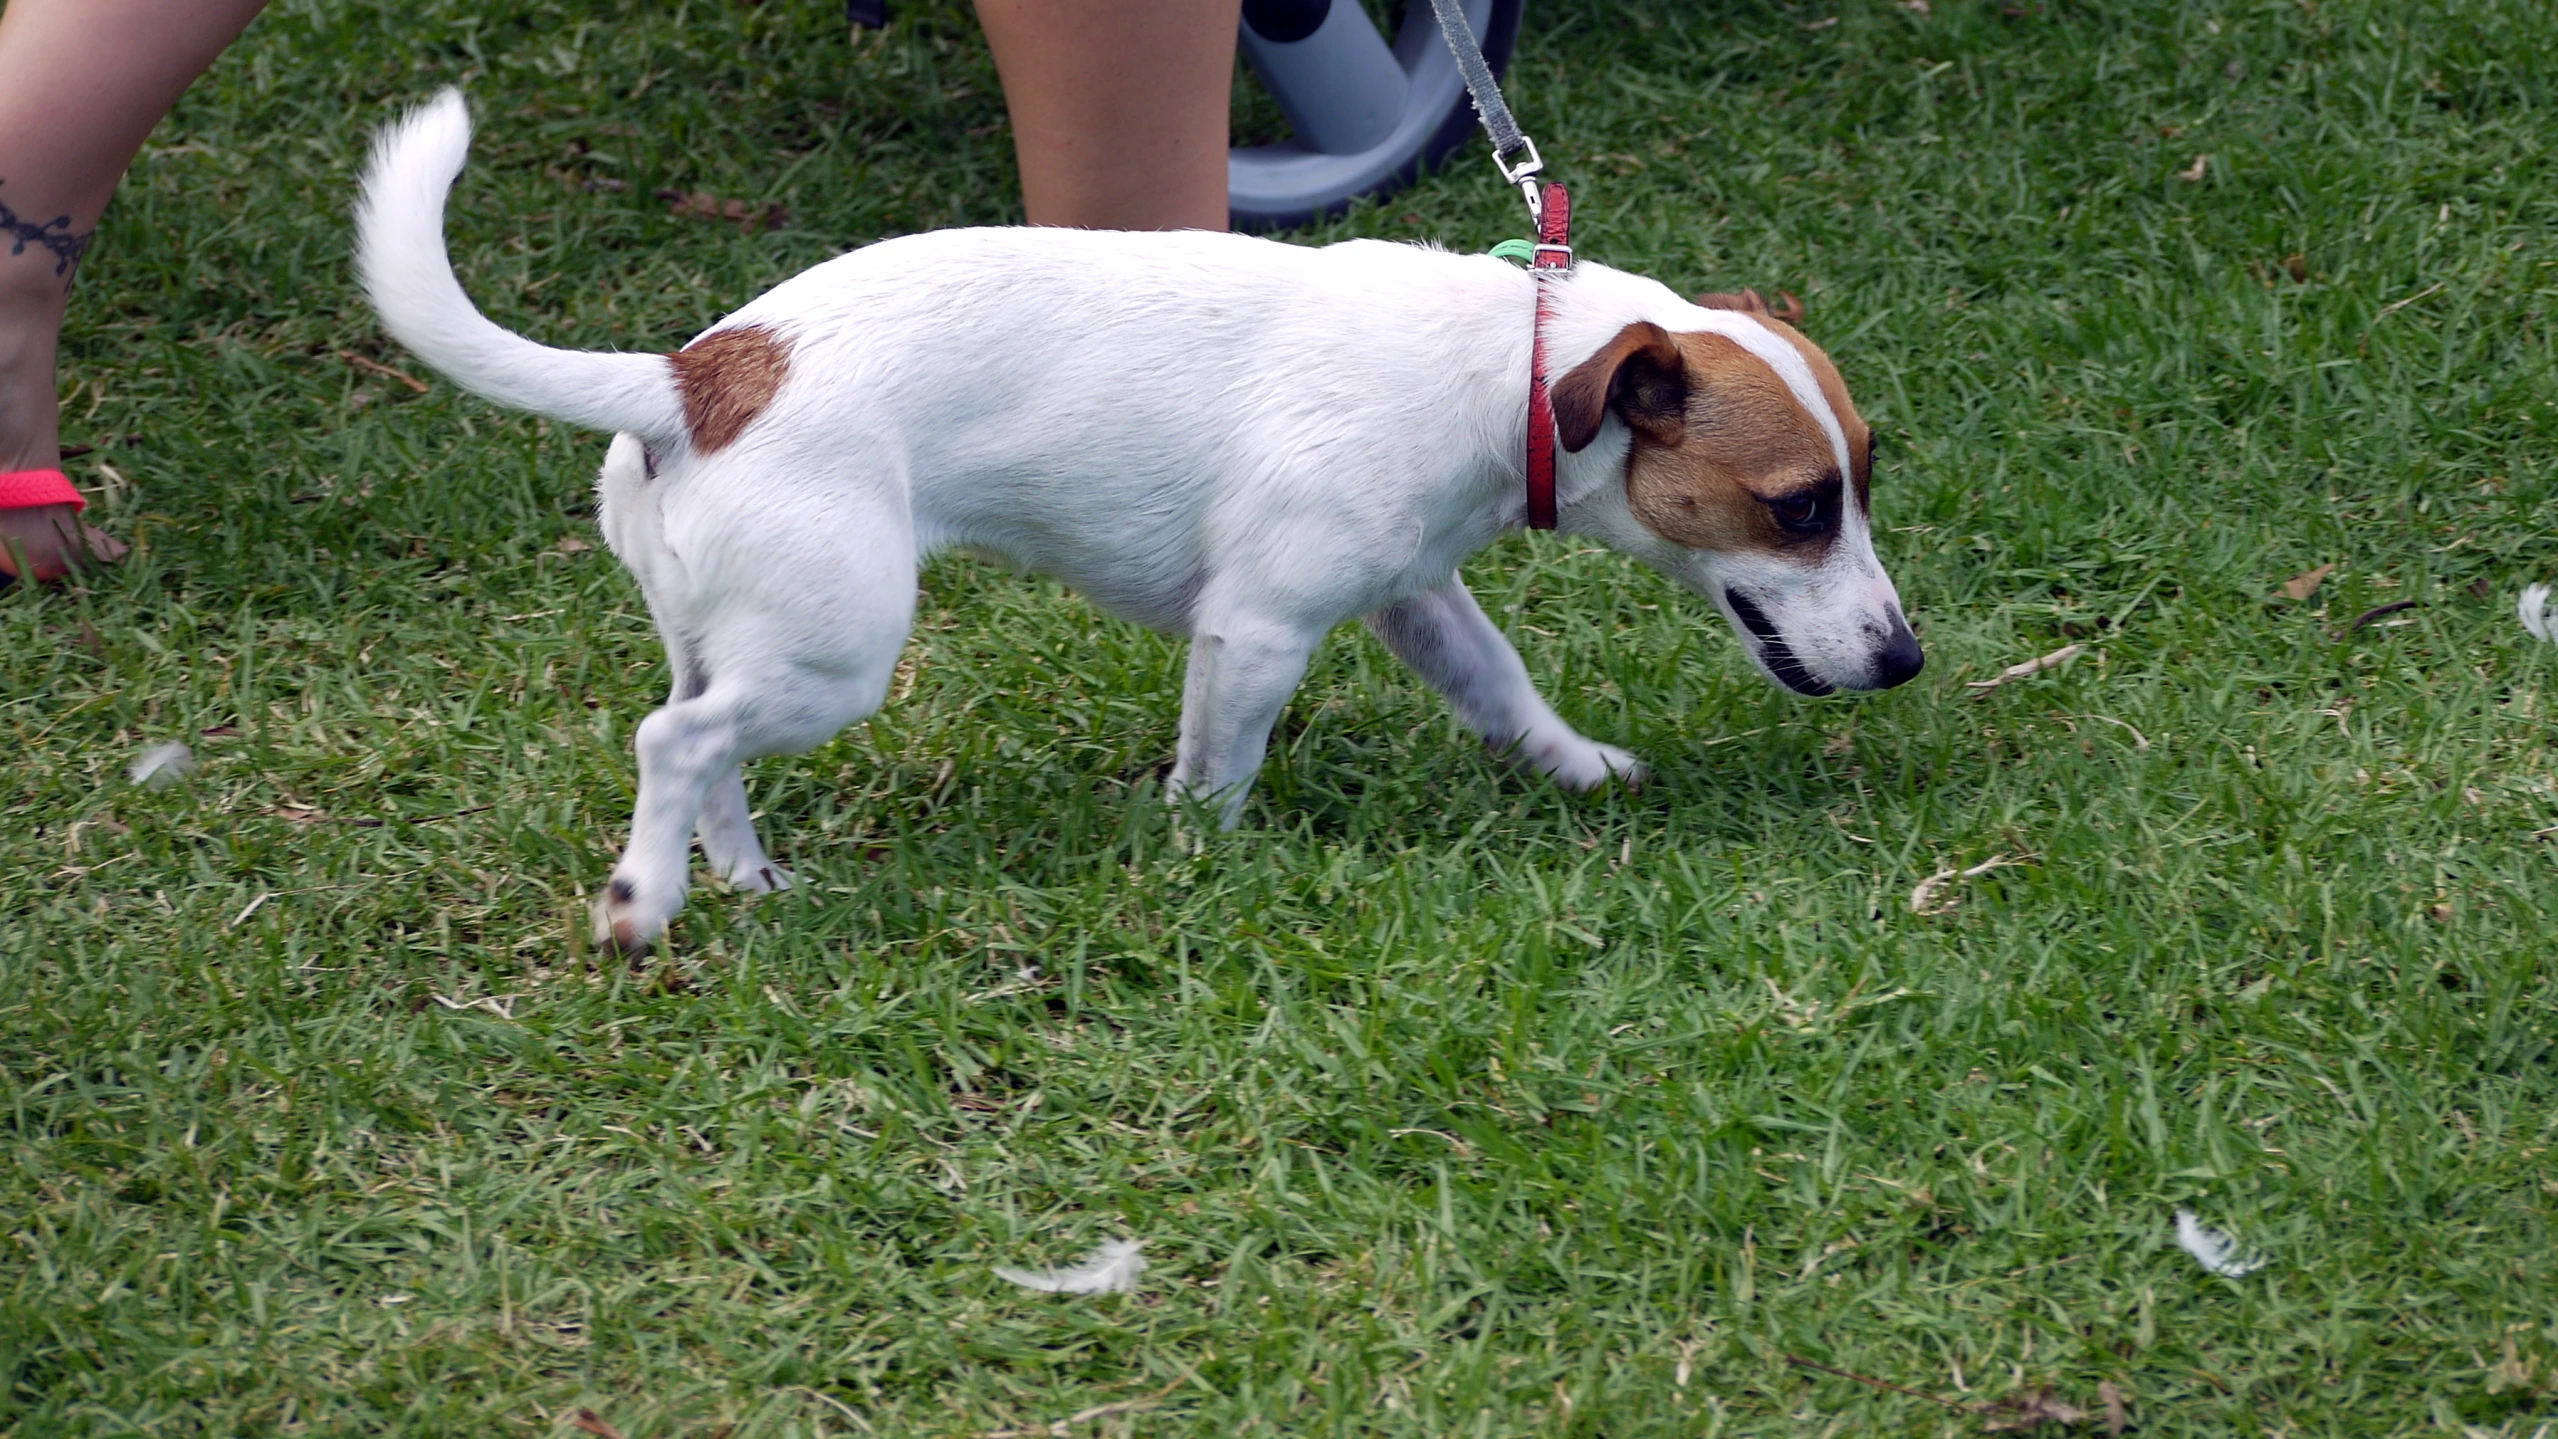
x=726 y=378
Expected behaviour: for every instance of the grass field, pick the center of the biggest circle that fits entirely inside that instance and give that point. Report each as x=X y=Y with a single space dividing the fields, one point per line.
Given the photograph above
x=1446 y=1104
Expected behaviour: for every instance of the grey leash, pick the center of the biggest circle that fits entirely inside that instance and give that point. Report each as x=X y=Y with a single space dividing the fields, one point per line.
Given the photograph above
x=1507 y=139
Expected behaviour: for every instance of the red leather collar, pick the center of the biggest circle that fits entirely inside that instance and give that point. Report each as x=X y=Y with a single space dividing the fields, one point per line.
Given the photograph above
x=1553 y=259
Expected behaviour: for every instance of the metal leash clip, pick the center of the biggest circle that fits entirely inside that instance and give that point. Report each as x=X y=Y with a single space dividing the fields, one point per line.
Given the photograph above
x=1524 y=176
x=1503 y=130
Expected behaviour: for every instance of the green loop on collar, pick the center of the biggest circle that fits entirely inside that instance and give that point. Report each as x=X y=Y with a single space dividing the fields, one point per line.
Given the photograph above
x=1523 y=251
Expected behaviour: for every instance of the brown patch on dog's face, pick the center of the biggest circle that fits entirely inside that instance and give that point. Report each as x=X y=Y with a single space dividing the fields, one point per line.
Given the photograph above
x=1860 y=440
x=1724 y=457
x=726 y=379
x=1783 y=317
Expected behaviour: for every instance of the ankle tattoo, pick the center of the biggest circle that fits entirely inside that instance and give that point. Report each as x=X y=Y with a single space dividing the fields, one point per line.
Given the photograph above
x=54 y=234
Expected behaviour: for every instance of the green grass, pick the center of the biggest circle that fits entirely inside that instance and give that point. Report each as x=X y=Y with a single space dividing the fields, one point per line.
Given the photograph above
x=1448 y=1105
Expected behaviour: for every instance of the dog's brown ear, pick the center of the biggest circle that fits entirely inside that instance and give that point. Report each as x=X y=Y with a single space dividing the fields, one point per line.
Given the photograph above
x=1787 y=308
x=1640 y=374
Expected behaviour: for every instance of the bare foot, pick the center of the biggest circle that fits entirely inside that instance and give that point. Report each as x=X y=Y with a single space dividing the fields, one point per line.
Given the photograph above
x=53 y=542
x=50 y=539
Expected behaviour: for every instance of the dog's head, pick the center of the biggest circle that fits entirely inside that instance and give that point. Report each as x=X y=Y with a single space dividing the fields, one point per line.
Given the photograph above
x=1747 y=479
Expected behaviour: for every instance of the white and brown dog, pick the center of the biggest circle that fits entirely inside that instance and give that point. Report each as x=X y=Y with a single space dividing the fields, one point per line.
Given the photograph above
x=1229 y=438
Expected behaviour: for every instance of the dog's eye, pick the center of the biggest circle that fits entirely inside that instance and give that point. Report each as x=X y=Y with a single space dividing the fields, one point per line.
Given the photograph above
x=1800 y=512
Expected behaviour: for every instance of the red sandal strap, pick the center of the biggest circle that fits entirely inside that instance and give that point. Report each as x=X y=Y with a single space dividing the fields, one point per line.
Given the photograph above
x=27 y=489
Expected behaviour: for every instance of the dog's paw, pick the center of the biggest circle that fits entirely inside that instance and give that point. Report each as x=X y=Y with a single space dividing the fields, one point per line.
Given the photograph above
x=624 y=925
x=1582 y=765
x=764 y=878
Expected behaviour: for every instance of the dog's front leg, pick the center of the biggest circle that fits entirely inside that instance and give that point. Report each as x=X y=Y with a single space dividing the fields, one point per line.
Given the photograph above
x=1242 y=670
x=1449 y=641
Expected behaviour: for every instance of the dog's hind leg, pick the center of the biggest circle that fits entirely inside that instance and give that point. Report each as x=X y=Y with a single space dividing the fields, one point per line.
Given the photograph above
x=761 y=675
x=684 y=749
x=727 y=830
x=726 y=824
x=688 y=758
x=1449 y=641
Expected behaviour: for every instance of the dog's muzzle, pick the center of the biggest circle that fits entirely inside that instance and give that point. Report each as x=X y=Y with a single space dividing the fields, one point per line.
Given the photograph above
x=1897 y=661
x=1773 y=650
x=1900 y=659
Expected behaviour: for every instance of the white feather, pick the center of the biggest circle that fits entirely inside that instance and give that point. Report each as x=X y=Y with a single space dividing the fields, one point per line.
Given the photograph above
x=162 y=765
x=2214 y=1250
x=2533 y=609
x=1113 y=1269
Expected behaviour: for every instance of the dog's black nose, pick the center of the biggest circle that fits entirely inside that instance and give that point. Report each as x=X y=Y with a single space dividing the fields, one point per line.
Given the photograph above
x=1900 y=659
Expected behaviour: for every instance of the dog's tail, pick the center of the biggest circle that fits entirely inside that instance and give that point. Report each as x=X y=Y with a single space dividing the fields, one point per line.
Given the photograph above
x=399 y=251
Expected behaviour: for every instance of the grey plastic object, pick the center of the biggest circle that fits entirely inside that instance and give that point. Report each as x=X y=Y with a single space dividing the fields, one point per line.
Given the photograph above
x=1369 y=116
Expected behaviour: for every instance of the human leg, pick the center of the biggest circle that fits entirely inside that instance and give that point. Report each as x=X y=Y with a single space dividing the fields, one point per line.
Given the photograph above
x=1118 y=107
x=82 y=83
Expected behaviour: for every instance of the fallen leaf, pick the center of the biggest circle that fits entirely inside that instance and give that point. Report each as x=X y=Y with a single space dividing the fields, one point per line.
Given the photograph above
x=2035 y=666
x=501 y=1005
x=2030 y=1410
x=1923 y=898
x=378 y=368
x=702 y=204
x=1917 y=7
x=2394 y=306
x=2118 y=1415
x=2376 y=611
x=572 y=545
x=2296 y=265
x=2301 y=586
x=2510 y=1372
x=588 y=1421
x=2202 y=166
